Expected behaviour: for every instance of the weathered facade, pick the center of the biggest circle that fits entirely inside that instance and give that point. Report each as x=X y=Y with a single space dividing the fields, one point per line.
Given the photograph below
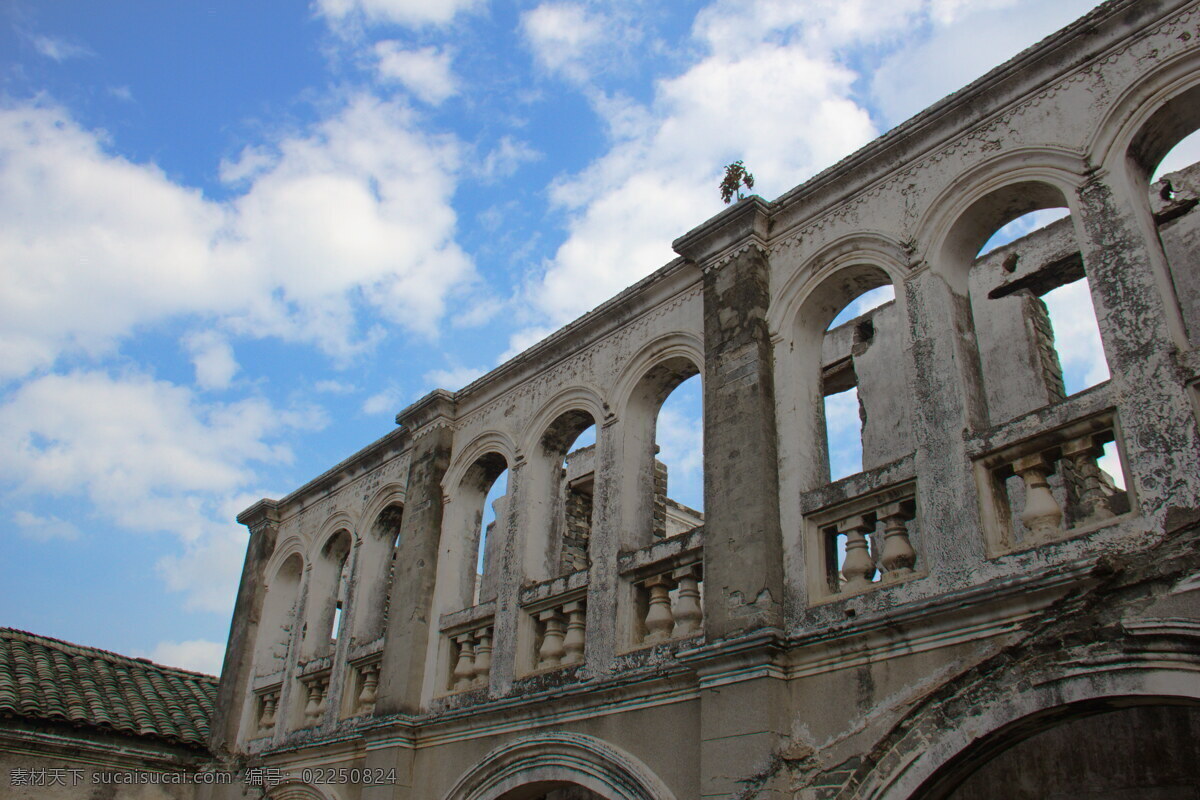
x=981 y=611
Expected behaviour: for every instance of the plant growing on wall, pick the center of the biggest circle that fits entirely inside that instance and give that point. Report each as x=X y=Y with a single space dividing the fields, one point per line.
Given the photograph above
x=736 y=176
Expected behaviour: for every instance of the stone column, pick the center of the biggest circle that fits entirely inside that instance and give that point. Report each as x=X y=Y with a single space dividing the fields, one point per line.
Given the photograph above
x=262 y=519
x=507 y=628
x=743 y=547
x=1142 y=336
x=946 y=401
x=603 y=608
x=411 y=594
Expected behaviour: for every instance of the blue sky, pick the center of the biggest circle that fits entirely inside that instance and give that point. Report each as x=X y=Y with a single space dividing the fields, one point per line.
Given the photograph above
x=237 y=238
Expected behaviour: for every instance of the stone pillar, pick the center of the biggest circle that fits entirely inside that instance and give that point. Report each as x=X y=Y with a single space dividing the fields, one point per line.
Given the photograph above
x=506 y=630
x=262 y=519
x=743 y=547
x=946 y=401
x=411 y=595
x=1142 y=335
x=604 y=610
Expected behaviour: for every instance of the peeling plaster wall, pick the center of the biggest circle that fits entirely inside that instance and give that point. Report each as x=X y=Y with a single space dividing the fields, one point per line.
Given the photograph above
x=813 y=639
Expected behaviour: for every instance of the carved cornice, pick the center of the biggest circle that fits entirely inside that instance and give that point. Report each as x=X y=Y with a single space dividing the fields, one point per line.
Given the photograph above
x=263 y=514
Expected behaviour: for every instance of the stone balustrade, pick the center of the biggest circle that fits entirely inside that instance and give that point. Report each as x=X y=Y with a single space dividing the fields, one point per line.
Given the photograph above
x=267 y=705
x=364 y=686
x=471 y=657
x=863 y=542
x=667 y=583
x=1050 y=486
x=561 y=626
x=316 y=693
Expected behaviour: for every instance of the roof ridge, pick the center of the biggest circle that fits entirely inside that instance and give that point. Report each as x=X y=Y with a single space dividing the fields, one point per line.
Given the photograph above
x=92 y=652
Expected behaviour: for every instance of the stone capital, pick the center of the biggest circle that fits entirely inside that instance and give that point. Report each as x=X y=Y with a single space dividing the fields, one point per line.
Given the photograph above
x=262 y=514
x=436 y=409
x=742 y=225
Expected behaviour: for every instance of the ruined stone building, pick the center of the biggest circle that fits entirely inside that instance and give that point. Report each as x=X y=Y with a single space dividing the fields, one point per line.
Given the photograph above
x=991 y=607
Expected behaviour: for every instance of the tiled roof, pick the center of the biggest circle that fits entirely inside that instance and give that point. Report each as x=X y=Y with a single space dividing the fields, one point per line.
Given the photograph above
x=48 y=679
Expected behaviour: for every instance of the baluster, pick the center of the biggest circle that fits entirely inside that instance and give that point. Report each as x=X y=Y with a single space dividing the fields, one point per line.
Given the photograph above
x=370 y=683
x=322 y=695
x=573 y=642
x=659 y=619
x=1083 y=452
x=1041 y=515
x=464 y=668
x=316 y=699
x=550 y=654
x=688 y=613
x=483 y=656
x=898 y=555
x=267 y=720
x=859 y=568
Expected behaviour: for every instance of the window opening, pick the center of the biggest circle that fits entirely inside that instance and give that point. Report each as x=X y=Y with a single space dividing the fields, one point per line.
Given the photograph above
x=679 y=460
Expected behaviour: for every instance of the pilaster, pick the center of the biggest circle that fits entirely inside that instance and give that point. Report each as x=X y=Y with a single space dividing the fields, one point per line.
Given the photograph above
x=411 y=595
x=743 y=552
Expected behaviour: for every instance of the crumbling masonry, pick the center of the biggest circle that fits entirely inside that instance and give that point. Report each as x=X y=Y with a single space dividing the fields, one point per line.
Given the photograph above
x=986 y=610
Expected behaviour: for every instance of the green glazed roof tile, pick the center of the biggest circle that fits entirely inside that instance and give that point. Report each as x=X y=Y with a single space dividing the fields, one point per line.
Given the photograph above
x=48 y=679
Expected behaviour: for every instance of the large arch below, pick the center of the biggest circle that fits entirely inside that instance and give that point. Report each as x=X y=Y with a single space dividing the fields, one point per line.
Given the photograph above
x=1009 y=717
x=1128 y=747
x=533 y=765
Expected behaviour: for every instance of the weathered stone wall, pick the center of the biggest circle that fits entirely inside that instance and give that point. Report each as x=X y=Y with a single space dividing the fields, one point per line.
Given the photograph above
x=981 y=577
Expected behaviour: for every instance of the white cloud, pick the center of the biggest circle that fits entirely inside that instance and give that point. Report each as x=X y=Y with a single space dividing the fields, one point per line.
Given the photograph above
x=661 y=174
x=58 y=49
x=843 y=429
x=145 y=452
x=1077 y=335
x=45 y=529
x=150 y=457
x=400 y=12
x=213 y=359
x=355 y=212
x=452 y=379
x=334 y=387
x=564 y=37
x=386 y=401
x=964 y=41
x=425 y=72
x=506 y=157
x=197 y=655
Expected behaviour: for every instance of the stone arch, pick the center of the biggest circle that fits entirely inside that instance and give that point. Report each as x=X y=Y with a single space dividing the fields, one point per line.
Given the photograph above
x=1004 y=712
x=1149 y=118
x=679 y=345
x=868 y=248
x=380 y=526
x=982 y=199
x=575 y=398
x=493 y=441
x=275 y=632
x=564 y=757
x=1146 y=119
x=329 y=566
x=644 y=384
x=814 y=304
x=539 y=481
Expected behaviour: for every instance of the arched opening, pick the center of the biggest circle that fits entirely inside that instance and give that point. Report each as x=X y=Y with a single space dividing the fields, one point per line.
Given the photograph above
x=1162 y=161
x=853 y=328
x=1038 y=344
x=328 y=591
x=662 y=429
x=378 y=558
x=278 y=617
x=1119 y=747
x=679 y=462
x=480 y=516
x=560 y=502
x=852 y=412
x=1038 y=338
